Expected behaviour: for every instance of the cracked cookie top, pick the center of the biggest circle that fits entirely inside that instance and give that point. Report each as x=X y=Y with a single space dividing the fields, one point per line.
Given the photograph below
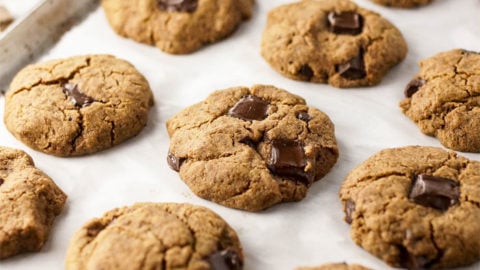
x=443 y=99
x=156 y=236
x=251 y=148
x=29 y=203
x=176 y=26
x=78 y=105
x=402 y=3
x=415 y=207
x=331 y=41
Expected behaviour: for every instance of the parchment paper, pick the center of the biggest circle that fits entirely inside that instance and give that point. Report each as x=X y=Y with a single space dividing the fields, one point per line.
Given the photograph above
x=305 y=233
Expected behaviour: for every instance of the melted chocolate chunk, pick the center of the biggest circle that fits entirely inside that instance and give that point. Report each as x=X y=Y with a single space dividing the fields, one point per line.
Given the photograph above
x=350 y=23
x=304 y=116
x=174 y=162
x=353 y=69
x=306 y=71
x=178 y=5
x=287 y=159
x=410 y=261
x=250 y=108
x=436 y=192
x=349 y=209
x=225 y=260
x=79 y=99
x=413 y=86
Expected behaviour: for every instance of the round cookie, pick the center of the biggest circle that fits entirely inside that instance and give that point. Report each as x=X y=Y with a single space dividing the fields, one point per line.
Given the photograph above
x=335 y=266
x=156 y=236
x=331 y=41
x=176 y=26
x=444 y=99
x=415 y=207
x=402 y=3
x=78 y=105
x=29 y=203
x=251 y=148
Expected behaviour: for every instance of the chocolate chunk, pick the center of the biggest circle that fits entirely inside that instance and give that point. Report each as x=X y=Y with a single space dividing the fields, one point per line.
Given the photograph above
x=1 y=181
x=287 y=159
x=436 y=192
x=411 y=262
x=79 y=99
x=349 y=209
x=253 y=144
x=413 y=86
x=178 y=5
x=304 y=116
x=306 y=71
x=225 y=260
x=174 y=162
x=250 y=108
x=350 y=23
x=353 y=69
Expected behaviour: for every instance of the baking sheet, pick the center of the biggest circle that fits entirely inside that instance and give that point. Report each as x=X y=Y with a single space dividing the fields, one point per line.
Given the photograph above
x=305 y=233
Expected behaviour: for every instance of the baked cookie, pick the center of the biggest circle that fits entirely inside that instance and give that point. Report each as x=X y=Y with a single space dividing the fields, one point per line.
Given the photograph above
x=444 y=99
x=29 y=203
x=176 y=26
x=78 y=105
x=331 y=41
x=156 y=236
x=402 y=3
x=251 y=148
x=415 y=207
x=5 y=18
x=335 y=266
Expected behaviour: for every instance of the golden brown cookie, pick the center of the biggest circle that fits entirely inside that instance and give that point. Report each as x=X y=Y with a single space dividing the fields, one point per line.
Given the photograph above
x=29 y=203
x=415 y=207
x=335 y=266
x=156 y=236
x=251 y=148
x=331 y=41
x=402 y=3
x=176 y=26
x=77 y=106
x=444 y=99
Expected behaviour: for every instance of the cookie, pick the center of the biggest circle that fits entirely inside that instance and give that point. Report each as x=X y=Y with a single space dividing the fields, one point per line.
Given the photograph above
x=415 y=207
x=78 y=105
x=251 y=148
x=176 y=26
x=335 y=266
x=156 y=236
x=331 y=41
x=5 y=18
x=29 y=203
x=402 y=3
x=443 y=99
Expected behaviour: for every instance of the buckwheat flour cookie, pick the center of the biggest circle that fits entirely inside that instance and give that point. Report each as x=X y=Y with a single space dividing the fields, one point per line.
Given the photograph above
x=443 y=99
x=78 y=105
x=176 y=26
x=156 y=236
x=402 y=3
x=335 y=266
x=415 y=207
x=331 y=41
x=29 y=203
x=251 y=148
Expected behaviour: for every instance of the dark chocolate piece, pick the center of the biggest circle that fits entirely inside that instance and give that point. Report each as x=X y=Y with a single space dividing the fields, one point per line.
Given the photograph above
x=174 y=162
x=304 y=116
x=1 y=181
x=436 y=192
x=79 y=99
x=349 y=23
x=410 y=261
x=306 y=71
x=349 y=209
x=250 y=108
x=178 y=5
x=225 y=260
x=253 y=144
x=354 y=69
x=413 y=86
x=287 y=159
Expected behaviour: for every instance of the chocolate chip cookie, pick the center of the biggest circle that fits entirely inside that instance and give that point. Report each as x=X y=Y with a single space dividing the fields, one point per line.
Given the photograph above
x=156 y=236
x=78 y=105
x=443 y=99
x=331 y=41
x=335 y=266
x=251 y=148
x=176 y=26
x=402 y=3
x=415 y=207
x=29 y=203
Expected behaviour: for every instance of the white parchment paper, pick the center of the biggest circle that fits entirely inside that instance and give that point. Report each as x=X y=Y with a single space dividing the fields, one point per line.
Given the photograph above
x=309 y=232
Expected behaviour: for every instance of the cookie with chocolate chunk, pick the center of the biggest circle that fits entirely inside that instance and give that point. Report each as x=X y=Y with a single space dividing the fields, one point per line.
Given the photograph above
x=331 y=41
x=251 y=148
x=402 y=3
x=156 y=236
x=29 y=203
x=415 y=207
x=443 y=99
x=176 y=26
x=77 y=106
x=335 y=266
